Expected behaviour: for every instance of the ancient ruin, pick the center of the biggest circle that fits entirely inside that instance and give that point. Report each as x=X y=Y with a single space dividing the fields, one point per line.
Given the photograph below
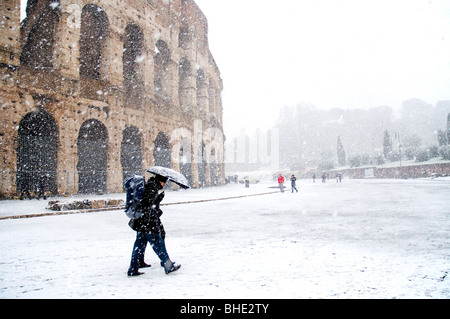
x=92 y=91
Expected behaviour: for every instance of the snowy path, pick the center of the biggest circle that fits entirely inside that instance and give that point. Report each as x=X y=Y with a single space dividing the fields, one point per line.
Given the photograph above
x=358 y=239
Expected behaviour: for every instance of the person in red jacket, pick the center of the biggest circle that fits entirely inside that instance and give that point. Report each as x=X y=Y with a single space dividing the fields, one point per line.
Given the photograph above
x=281 y=183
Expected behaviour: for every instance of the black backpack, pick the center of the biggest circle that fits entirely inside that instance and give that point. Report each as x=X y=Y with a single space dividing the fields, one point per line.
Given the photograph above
x=134 y=186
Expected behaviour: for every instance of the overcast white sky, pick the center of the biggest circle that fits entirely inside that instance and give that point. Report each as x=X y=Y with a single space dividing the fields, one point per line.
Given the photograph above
x=329 y=53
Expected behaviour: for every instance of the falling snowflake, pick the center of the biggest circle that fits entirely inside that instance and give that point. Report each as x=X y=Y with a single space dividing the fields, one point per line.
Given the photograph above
x=54 y=5
x=140 y=58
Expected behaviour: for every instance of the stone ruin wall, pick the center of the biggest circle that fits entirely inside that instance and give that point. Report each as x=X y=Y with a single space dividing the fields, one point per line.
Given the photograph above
x=131 y=81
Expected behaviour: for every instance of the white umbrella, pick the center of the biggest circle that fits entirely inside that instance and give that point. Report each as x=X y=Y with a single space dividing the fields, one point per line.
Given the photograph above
x=170 y=174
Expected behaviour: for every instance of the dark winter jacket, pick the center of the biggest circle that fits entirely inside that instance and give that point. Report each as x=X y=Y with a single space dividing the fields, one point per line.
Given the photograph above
x=293 y=179
x=150 y=222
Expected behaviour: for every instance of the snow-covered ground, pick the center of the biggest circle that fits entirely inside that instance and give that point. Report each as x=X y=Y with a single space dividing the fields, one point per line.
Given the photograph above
x=357 y=239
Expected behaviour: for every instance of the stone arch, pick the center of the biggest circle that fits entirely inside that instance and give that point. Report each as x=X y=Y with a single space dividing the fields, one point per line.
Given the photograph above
x=93 y=41
x=161 y=151
x=181 y=139
x=92 y=157
x=201 y=79
x=131 y=152
x=185 y=160
x=184 y=38
x=202 y=165
x=212 y=100
x=37 y=152
x=202 y=92
x=133 y=66
x=184 y=86
x=214 y=152
x=162 y=78
x=213 y=166
x=38 y=49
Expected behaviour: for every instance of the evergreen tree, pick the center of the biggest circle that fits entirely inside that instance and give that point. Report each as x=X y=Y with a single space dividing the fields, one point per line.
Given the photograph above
x=341 y=152
x=387 y=145
x=442 y=138
x=448 y=128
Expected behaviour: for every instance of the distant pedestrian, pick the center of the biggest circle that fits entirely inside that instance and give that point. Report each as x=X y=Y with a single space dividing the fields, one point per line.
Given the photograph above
x=293 y=179
x=324 y=178
x=314 y=178
x=281 y=183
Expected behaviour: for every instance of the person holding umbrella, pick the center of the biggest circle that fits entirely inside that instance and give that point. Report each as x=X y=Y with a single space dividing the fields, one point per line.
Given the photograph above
x=149 y=226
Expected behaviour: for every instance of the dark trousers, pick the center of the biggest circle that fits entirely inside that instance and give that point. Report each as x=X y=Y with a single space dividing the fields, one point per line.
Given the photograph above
x=157 y=243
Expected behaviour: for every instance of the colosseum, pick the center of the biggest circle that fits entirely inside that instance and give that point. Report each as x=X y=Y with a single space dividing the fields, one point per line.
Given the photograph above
x=92 y=91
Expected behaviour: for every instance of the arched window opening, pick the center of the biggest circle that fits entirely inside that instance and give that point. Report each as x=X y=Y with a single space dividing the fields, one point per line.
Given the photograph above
x=93 y=39
x=200 y=79
x=161 y=152
x=184 y=38
x=213 y=167
x=202 y=92
x=133 y=66
x=162 y=59
x=92 y=157
x=185 y=159
x=37 y=152
x=212 y=104
x=184 y=72
x=202 y=165
x=37 y=52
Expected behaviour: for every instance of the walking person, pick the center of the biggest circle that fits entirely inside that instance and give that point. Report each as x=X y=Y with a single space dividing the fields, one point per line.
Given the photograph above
x=150 y=229
x=293 y=179
x=281 y=183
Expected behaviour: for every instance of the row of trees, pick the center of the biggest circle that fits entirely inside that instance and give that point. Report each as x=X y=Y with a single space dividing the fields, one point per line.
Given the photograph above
x=364 y=137
x=412 y=152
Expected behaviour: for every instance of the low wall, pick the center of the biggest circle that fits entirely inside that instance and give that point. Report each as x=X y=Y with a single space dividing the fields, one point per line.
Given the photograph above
x=411 y=171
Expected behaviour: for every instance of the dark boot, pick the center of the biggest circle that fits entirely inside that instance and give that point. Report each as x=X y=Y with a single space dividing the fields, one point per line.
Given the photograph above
x=134 y=273
x=170 y=266
x=142 y=264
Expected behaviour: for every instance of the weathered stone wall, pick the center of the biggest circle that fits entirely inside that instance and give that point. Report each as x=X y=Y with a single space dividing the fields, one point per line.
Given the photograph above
x=107 y=73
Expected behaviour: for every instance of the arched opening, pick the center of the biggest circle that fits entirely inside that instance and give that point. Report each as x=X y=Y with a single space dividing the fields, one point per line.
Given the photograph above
x=131 y=152
x=200 y=79
x=185 y=159
x=184 y=73
x=36 y=152
x=162 y=59
x=161 y=152
x=92 y=157
x=202 y=166
x=213 y=167
x=202 y=92
x=93 y=39
x=133 y=66
x=38 y=49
